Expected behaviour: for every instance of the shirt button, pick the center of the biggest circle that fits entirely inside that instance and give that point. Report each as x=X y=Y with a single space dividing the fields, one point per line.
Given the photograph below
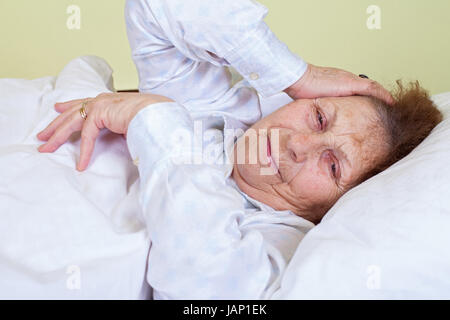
x=136 y=162
x=254 y=76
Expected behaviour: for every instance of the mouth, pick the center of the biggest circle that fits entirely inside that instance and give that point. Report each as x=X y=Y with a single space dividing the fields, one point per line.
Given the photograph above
x=272 y=163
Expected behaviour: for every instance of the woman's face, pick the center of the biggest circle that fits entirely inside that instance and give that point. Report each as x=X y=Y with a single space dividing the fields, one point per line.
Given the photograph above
x=309 y=153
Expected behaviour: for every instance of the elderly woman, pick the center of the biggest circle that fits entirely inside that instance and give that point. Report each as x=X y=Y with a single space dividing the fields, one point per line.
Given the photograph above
x=228 y=195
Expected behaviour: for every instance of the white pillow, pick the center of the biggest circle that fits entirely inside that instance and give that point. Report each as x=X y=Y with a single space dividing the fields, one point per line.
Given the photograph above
x=388 y=238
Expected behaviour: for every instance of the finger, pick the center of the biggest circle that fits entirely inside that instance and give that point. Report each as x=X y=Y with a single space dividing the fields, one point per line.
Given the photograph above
x=45 y=134
x=89 y=135
x=63 y=106
x=373 y=88
x=72 y=124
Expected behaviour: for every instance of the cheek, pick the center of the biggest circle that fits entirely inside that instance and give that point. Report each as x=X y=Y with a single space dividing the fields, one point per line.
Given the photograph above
x=294 y=118
x=312 y=184
x=254 y=177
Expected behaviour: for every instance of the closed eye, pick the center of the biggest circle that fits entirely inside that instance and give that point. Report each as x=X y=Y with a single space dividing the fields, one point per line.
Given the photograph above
x=334 y=166
x=334 y=169
x=321 y=119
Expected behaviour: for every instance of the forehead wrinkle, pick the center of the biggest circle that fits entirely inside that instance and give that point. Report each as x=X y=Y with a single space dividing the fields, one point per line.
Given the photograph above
x=354 y=139
x=366 y=154
x=342 y=184
x=357 y=143
x=344 y=154
x=339 y=148
x=333 y=125
x=362 y=143
x=335 y=119
x=320 y=102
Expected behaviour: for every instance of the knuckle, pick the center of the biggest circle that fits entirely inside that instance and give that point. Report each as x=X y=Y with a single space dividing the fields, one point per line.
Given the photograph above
x=54 y=122
x=97 y=102
x=92 y=115
x=57 y=133
x=103 y=94
x=101 y=97
x=372 y=85
x=56 y=140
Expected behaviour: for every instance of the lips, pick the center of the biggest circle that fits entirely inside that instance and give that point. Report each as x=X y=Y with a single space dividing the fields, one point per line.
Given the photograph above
x=269 y=156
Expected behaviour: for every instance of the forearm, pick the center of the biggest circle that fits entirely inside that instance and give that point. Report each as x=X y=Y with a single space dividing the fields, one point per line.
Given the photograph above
x=295 y=90
x=266 y=62
x=234 y=32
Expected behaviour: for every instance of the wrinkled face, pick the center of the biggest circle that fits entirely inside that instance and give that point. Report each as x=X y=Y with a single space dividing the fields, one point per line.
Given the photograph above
x=309 y=153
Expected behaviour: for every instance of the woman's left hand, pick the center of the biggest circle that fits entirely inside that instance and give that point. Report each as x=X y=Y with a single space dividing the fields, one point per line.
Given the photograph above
x=331 y=82
x=113 y=111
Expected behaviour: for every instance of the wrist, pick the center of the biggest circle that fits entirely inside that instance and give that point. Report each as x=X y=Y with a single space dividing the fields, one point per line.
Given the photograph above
x=151 y=98
x=146 y=100
x=294 y=91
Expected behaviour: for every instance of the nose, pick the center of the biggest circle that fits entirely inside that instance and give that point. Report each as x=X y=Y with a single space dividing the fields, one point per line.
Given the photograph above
x=303 y=146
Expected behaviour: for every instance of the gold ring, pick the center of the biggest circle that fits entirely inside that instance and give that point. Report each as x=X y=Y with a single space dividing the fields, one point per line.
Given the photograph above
x=83 y=110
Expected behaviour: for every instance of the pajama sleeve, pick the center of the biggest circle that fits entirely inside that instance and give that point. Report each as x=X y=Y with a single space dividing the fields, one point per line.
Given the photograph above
x=204 y=244
x=181 y=48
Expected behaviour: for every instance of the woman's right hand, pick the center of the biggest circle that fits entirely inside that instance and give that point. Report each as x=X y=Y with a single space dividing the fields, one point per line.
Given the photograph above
x=113 y=111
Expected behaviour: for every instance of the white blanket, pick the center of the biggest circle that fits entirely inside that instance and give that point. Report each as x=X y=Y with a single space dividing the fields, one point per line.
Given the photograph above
x=66 y=234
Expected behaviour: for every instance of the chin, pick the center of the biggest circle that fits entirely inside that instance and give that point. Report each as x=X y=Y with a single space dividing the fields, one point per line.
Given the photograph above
x=248 y=173
x=256 y=176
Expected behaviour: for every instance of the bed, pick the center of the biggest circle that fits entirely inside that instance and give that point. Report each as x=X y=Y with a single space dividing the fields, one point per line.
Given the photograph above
x=65 y=234
x=71 y=235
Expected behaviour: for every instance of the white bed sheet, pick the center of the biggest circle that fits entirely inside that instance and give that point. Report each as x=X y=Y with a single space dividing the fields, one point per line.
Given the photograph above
x=66 y=234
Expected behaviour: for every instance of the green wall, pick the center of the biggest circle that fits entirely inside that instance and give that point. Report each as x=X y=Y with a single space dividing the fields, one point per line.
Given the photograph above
x=413 y=42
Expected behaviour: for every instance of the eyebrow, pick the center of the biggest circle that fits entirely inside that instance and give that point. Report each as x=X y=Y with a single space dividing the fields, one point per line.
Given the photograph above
x=343 y=155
